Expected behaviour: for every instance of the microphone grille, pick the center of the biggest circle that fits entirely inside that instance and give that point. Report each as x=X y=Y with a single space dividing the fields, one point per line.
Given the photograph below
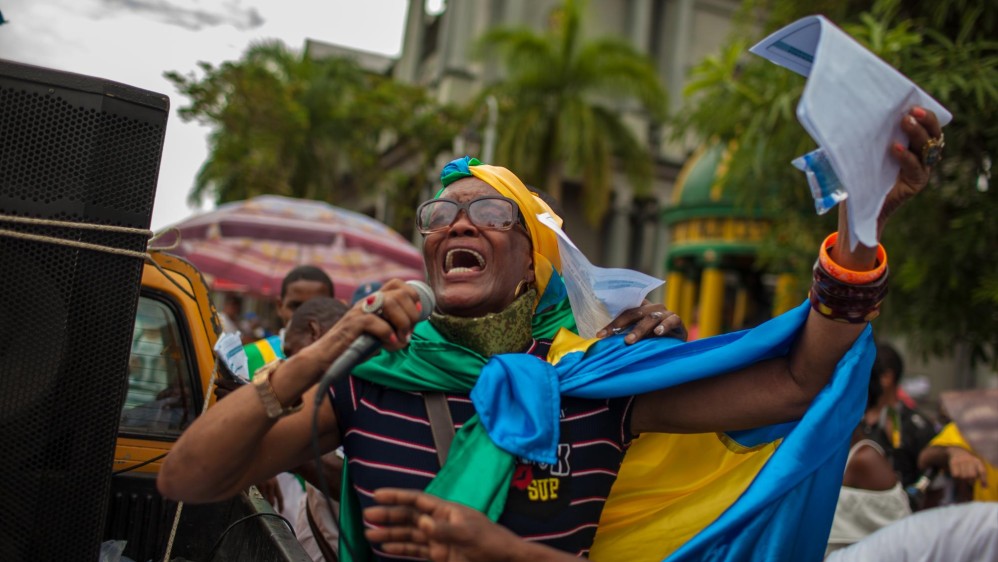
x=426 y=298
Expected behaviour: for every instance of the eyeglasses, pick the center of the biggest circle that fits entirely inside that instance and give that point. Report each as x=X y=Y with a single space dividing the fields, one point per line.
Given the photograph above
x=492 y=212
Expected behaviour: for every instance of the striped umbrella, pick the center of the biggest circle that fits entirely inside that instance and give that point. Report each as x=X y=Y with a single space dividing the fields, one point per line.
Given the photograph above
x=249 y=246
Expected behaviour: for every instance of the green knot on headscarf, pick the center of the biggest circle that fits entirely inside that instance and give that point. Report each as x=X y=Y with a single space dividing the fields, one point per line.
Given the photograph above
x=456 y=170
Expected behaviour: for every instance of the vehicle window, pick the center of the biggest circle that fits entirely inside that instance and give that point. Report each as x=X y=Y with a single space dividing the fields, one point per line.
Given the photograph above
x=159 y=400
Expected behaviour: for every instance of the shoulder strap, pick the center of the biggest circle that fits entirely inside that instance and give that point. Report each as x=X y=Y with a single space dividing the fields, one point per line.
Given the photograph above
x=441 y=423
x=865 y=443
x=320 y=540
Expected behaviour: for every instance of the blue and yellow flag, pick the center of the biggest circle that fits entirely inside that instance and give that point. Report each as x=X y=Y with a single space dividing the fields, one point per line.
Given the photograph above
x=762 y=494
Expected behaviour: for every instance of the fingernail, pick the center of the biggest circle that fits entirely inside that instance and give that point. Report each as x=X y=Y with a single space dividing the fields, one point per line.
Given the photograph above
x=393 y=339
x=659 y=330
x=630 y=338
x=911 y=120
x=898 y=147
x=419 y=306
x=918 y=112
x=601 y=334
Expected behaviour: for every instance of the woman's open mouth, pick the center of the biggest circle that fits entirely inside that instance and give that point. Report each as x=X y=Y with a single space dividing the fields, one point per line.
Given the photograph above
x=463 y=260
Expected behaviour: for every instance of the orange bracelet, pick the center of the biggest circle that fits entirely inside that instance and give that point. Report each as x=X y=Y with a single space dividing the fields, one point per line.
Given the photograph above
x=847 y=275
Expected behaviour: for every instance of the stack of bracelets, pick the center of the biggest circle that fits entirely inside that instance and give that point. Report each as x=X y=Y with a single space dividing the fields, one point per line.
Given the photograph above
x=844 y=295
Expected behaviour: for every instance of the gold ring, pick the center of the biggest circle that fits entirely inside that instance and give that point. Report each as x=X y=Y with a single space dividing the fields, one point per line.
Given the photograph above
x=932 y=152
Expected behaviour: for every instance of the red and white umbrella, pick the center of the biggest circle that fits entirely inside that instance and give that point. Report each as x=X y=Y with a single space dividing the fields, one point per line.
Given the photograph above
x=249 y=246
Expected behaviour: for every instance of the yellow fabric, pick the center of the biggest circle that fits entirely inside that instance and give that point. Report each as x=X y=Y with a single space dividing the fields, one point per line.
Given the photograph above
x=670 y=487
x=950 y=437
x=565 y=342
x=266 y=352
x=545 y=241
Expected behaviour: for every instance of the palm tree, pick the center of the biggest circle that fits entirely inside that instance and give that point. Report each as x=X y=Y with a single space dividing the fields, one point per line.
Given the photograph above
x=289 y=124
x=554 y=111
x=272 y=113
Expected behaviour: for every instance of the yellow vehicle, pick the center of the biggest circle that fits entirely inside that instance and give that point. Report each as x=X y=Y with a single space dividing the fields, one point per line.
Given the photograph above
x=170 y=370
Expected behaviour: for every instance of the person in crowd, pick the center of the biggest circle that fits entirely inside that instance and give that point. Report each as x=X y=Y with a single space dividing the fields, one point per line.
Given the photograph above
x=871 y=495
x=302 y=283
x=906 y=429
x=231 y=314
x=315 y=525
x=545 y=417
x=965 y=532
x=284 y=491
x=975 y=475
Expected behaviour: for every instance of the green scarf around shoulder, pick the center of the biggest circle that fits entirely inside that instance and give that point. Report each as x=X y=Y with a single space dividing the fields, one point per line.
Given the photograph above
x=432 y=363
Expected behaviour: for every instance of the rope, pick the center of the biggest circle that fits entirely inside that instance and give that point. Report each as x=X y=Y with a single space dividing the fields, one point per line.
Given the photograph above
x=96 y=247
x=81 y=225
x=155 y=238
x=173 y=532
x=73 y=243
x=180 y=505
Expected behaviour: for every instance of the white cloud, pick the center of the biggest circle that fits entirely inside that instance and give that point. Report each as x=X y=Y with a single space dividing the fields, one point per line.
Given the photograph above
x=135 y=41
x=194 y=14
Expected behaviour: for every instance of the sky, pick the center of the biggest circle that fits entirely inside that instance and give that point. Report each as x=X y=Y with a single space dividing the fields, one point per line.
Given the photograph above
x=135 y=41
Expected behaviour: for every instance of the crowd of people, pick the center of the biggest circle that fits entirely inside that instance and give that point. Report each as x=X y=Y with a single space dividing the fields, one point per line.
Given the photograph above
x=487 y=429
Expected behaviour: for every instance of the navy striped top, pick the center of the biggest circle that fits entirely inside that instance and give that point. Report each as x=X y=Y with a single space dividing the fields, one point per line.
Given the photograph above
x=388 y=442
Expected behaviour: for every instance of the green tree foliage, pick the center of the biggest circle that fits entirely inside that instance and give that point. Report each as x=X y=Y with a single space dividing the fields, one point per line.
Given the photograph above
x=556 y=115
x=288 y=124
x=943 y=245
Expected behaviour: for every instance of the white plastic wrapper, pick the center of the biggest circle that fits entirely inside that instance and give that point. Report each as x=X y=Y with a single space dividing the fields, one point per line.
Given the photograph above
x=597 y=294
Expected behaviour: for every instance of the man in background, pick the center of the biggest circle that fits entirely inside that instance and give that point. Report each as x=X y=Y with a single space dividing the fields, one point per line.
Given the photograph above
x=231 y=314
x=315 y=526
x=906 y=430
x=303 y=283
x=299 y=285
x=967 y=447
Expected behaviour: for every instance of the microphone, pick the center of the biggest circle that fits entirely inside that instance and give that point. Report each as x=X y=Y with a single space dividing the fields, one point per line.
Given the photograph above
x=365 y=345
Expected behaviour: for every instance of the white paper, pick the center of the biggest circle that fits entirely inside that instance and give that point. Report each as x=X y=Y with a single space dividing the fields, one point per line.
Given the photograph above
x=229 y=348
x=852 y=107
x=597 y=294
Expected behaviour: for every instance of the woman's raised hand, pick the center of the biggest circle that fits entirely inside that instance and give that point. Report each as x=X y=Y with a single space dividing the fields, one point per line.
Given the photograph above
x=924 y=150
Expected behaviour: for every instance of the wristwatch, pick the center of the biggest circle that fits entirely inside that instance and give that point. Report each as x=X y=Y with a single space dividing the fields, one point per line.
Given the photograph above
x=261 y=380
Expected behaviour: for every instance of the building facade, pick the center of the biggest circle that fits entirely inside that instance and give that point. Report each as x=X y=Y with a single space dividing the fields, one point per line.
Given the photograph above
x=438 y=53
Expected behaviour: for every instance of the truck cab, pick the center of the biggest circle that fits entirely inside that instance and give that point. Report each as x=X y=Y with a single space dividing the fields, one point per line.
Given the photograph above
x=170 y=379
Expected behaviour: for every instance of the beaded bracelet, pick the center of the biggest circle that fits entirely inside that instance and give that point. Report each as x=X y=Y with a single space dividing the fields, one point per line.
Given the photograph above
x=841 y=301
x=848 y=275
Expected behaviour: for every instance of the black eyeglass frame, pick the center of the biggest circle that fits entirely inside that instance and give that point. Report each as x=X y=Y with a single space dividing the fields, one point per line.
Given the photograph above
x=466 y=207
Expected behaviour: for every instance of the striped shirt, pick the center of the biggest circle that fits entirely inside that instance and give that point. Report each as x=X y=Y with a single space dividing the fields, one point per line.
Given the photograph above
x=388 y=442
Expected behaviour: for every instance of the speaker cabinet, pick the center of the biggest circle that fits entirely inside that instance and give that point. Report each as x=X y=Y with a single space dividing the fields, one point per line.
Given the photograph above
x=82 y=151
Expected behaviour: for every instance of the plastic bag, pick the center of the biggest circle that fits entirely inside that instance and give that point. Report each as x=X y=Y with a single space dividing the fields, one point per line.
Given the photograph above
x=110 y=551
x=825 y=186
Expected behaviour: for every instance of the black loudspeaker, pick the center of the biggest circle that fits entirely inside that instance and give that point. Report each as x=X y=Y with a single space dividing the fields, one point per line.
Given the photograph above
x=81 y=151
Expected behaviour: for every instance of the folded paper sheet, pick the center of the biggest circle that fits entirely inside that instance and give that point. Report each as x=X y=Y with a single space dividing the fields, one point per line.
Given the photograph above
x=852 y=107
